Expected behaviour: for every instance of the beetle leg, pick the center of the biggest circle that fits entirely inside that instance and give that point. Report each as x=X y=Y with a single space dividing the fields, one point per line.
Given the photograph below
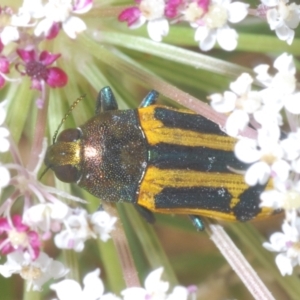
x=149 y=99
x=197 y=222
x=145 y=213
x=100 y=208
x=106 y=100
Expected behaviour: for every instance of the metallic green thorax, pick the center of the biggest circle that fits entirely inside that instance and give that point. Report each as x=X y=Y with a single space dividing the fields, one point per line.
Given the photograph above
x=113 y=157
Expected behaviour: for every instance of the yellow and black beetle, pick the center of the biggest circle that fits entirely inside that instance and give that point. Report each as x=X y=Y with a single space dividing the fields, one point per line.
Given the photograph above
x=158 y=158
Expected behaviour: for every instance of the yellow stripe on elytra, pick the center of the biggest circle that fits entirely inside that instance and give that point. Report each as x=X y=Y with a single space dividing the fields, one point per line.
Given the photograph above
x=156 y=132
x=155 y=180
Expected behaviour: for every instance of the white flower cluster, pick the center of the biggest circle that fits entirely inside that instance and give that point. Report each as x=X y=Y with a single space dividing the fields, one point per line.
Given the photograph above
x=211 y=19
x=155 y=289
x=283 y=17
x=273 y=155
x=46 y=18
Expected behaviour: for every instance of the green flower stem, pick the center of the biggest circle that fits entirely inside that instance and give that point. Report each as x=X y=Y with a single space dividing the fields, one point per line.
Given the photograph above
x=29 y=295
x=172 y=53
x=145 y=243
x=252 y=240
x=70 y=259
x=39 y=133
x=121 y=244
x=238 y=262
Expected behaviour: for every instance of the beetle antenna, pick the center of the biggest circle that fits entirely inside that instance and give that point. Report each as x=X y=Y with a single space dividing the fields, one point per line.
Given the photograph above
x=65 y=117
x=44 y=172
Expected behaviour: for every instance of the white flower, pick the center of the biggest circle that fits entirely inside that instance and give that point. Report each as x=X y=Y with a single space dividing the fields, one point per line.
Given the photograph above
x=80 y=226
x=286 y=195
x=281 y=89
x=215 y=26
x=283 y=18
x=267 y=154
x=241 y=101
x=37 y=272
x=93 y=288
x=151 y=11
x=46 y=216
x=76 y=232
x=102 y=224
x=60 y=11
x=155 y=288
x=288 y=244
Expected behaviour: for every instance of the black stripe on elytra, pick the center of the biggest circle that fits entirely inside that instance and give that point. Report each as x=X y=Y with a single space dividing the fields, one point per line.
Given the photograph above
x=216 y=199
x=248 y=206
x=169 y=156
x=194 y=122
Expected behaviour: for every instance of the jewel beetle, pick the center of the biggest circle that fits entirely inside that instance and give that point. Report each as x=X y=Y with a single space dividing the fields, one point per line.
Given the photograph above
x=158 y=158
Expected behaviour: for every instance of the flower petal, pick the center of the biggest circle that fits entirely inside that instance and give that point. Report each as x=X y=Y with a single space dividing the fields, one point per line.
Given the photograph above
x=72 y=26
x=157 y=29
x=53 y=31
x=67 y=289
x=93 y=285
x=56 y=77
x=9 y=34
x=223 y=104
x=207 y=38
x=26 y=55
x=292 y=103
x=47 y=58
x=227 y=38
x=130 y=15
x=284 y=264
x=237 y=12
x=153 y=282
x=257 y=173
x=44 y=26
x=82 y=6
x=246 y=150
x=236 y=122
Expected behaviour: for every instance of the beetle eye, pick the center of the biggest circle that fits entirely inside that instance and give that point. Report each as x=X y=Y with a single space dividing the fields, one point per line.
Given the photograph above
x=69 y=135
x=67 y=173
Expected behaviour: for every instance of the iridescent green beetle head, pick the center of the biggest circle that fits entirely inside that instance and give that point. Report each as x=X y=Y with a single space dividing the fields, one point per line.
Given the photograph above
x=64 y=155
